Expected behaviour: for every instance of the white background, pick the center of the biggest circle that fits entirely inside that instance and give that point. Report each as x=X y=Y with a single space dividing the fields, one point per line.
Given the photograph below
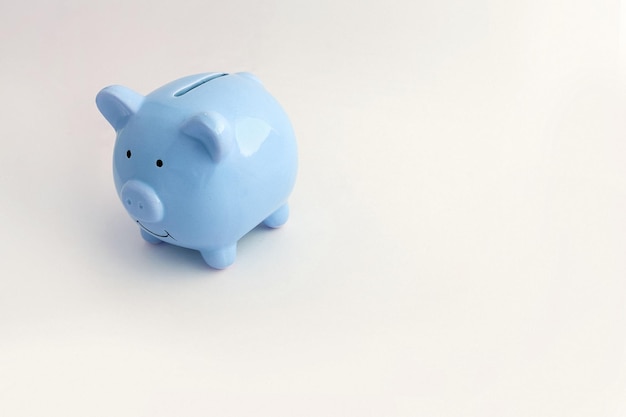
x=458 y=233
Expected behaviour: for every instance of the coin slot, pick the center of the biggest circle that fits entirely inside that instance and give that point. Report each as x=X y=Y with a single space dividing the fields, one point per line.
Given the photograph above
x=197 y=84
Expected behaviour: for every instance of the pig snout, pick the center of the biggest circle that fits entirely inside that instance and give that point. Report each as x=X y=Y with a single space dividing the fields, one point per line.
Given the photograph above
x=142 y=202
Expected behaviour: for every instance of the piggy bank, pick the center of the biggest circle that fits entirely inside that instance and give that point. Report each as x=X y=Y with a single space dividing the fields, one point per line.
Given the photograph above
x=201 y=161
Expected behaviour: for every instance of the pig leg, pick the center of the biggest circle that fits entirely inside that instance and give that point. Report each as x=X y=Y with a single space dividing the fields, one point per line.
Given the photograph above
x=220 y=258
x=277 y=218
x=149 y=238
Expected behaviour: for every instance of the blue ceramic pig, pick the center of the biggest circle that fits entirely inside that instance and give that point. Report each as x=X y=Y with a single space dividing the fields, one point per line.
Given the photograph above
x=201 y=161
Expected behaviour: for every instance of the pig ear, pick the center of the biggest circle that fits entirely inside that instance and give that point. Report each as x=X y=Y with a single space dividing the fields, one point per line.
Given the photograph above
x=118 y=104
x=213 y=131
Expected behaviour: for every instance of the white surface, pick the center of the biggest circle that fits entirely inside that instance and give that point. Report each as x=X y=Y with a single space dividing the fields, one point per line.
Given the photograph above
x=458 y=235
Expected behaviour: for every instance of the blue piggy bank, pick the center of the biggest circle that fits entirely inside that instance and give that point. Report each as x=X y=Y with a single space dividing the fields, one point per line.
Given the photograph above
x=201 y=161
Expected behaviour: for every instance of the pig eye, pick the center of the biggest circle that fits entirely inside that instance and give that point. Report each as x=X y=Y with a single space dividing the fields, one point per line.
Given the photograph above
x=128 y=154
x=159 y=163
